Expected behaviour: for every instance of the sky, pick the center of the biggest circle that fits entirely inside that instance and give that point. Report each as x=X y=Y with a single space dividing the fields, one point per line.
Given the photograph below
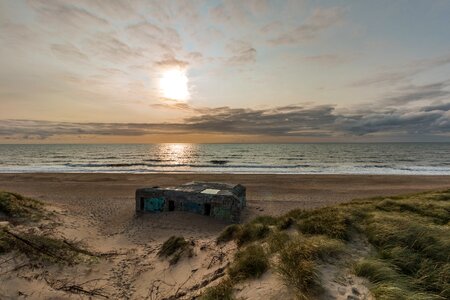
x=141 y=71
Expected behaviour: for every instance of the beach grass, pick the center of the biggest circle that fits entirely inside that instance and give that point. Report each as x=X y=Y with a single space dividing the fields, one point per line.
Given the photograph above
x=16 y=207
x=407 y=256
x=20 y=237
x=222 y=291
x=174 y=248
x=249 y=262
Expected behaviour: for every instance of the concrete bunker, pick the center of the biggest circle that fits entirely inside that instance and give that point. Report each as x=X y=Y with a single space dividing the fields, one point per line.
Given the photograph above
x=223 y=201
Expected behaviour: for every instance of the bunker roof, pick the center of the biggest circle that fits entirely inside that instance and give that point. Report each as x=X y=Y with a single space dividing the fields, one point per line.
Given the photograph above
x=210 y=188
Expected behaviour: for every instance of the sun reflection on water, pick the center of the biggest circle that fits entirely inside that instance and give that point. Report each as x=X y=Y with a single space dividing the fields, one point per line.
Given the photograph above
x=178 y=154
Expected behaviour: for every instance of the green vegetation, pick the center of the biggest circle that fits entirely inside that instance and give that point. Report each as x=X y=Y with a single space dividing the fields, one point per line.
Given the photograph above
x=244 y=234
x=409 y=237
x=230 y=233
x=17 y=208
x=250 y=262
x=412 y=238
x=42 y=248
x=222 y=291
x=175 y=247
x=298 y=261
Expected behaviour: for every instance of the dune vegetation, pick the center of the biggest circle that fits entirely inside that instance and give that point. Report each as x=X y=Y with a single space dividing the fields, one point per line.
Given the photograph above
x=407 y=254
x=18 y=233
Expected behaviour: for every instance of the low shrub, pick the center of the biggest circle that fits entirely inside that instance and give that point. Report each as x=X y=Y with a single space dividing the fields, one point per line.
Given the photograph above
x=330 y=221
x=252 y=232
x=222 y=291
x=277 y=241
x=298 y=260
x=16 y=206
x=175 y=247
x=250 y=262
x=230 y=233
x=43 y=248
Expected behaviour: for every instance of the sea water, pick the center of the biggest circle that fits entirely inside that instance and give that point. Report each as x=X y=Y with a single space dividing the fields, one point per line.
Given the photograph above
x=380 y=158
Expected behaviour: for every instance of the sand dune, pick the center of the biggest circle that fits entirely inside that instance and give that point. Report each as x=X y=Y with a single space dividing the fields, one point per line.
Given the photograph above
x=98 y=210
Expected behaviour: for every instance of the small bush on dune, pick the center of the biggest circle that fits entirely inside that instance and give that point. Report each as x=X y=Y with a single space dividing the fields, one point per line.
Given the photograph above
x=250 y=262
x=297 y=269
x=252 y=232
x=222 y=291
x=388 y=281
x=43 y=248
x=244 y=234
x=330 y=221
x=175 y=247
x=298 y=261
x=265 y=220
x=378 y=271
x=171 y=245
x=17 y=206
x=277 y=241
x=285 y=223
x=296 y=214
x=230 y=233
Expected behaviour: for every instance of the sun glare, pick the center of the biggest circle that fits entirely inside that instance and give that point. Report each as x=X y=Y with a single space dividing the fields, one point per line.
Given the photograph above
x=174 y=84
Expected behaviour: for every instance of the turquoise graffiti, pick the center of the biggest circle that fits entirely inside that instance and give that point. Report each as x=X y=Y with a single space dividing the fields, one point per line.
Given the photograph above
x=154 y=204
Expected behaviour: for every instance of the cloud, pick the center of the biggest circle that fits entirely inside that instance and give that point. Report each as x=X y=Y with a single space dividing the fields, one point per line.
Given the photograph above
x=241 y=53
x=320 y=20
x=327 y=59
x=417 y=93
x=68 y=51
x=64 y=14
x=437 y=106
x=111 y=48
x=171 y=62
x=288 y=121
x=156 y=37
x=403 y=73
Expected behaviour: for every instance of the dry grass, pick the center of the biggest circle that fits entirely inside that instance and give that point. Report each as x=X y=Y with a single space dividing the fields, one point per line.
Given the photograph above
x=175 y=247
x=250 y=262
x=410 y=236
x=222 y=291
x=17 y=208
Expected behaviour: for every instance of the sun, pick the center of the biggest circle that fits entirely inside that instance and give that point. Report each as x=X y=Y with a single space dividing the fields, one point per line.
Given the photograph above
x=174 y=84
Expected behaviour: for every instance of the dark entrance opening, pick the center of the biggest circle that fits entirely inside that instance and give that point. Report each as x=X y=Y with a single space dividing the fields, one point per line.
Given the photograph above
x=171 y=205
x=141 y=203
x=207 y=209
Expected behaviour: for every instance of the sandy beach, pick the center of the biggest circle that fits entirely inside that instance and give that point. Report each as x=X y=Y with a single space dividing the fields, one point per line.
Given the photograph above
x=98 y=210
x=108 y=199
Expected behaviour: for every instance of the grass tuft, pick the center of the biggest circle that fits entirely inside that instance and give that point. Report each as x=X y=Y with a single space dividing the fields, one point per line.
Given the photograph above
x=250 y=262
x=330 y=221
x=244 y=234
x=43 y=248
x=297 y=263
x=252 y=232
x=175 y=247
x=15 y=206
x=230 y=233
x=222 y=291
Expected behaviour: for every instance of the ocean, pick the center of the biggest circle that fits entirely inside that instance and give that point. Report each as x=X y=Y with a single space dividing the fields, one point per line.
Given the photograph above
x=380 y=158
